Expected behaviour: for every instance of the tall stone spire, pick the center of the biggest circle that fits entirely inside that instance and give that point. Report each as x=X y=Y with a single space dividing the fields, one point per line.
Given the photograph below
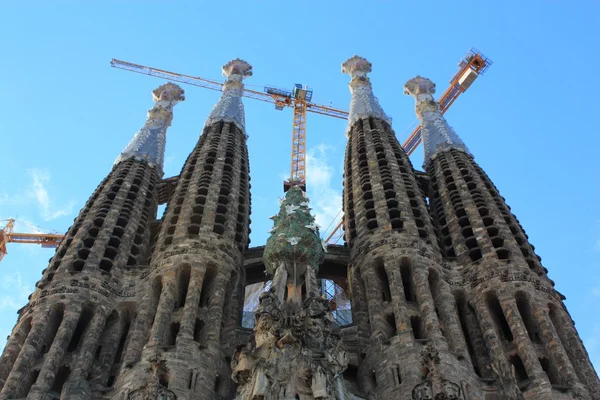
x=437 y=134
x=148 y=144
x=230 y=107
x=364 y=104
x=195 y=289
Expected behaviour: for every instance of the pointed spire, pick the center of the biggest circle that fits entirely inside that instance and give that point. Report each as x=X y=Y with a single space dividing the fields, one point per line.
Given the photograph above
x=230 y=108
x=364 y=104
x=437 y=134
x=148 y=144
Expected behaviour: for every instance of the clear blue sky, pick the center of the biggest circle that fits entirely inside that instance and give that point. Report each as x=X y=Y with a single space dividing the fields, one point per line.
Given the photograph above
x=66 y=114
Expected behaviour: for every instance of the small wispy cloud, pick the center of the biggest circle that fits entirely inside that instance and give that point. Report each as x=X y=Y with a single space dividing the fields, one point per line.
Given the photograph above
x=596 y=290
x=48 y=210
x=15 y=291
x=326 y=200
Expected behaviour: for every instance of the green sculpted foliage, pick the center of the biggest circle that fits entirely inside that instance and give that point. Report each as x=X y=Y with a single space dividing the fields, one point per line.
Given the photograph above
x=294 y=242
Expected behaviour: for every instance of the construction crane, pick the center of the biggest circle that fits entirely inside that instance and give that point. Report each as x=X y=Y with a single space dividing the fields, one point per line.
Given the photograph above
x=299 y=99
x=471 y=66
x=7 y=235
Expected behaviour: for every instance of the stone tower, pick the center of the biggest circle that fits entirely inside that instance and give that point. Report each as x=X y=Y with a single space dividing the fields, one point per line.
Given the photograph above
x=448 y=299
x=194 y=294
x=74 y=328
x=515 y=325
x=403 y=308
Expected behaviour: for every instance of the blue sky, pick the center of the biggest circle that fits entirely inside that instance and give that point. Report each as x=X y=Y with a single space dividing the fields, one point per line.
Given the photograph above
x=529 y=121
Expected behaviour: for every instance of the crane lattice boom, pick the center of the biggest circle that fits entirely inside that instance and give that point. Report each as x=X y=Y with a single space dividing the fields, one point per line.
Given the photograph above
x=471 y=66
x=7 y=235
x=299 y=100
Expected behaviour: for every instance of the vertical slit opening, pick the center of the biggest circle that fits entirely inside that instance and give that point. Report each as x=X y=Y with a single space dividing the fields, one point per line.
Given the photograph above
x=498 y=317
x=407 y=280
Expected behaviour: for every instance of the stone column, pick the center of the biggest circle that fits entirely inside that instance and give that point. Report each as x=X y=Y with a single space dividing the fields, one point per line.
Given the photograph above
x=57 y=351
x=108 y=352
x=139 y=331
x=312 y=288
x=30 y=352
x=163 y=313
x=556 y=351
x=188 y=319
x=480 y=354
x=398 y=296
x=525 y=348
x=490 y=336
x=90 y=343
x=215 y=306
x=577 y=353
x=279 y=282
x=427 y=307
x=12 y=349
x=374 y=303
x=360 y=313
x=449 y=314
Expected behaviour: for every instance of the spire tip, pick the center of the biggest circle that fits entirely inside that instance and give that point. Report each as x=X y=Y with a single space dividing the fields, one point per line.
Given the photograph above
x=237 y=67
x=419 y=85
x=357 y=66
x=168 y=92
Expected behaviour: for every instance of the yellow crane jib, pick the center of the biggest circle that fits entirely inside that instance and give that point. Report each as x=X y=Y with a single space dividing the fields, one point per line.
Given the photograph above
x=7 y=235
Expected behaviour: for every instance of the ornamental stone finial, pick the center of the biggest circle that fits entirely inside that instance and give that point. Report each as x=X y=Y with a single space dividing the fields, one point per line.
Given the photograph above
x=148 y=144
x=437 y=135
x=357 y=66
x=419 y=85
x=237 y=67
x=230 y=108
x=168 y=92
x=364 y=104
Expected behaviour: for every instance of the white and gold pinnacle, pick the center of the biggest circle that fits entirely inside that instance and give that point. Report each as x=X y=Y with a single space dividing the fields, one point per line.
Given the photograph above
x=437 y=135
x=230 y=108
x=148 y=144
x=363 y=104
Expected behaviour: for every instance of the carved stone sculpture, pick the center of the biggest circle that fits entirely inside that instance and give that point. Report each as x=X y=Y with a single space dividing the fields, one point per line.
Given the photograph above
x=505 y=374
x=295 y=353
x=422 y=391
x=153 y=390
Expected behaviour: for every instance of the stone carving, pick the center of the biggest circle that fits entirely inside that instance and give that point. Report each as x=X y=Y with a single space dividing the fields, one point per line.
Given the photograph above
x=434 y=385
x=148 y=144
x=450 y=391
x=507 y=381
x=230 y=108
x=294 y=244
x=364 y=104
x=295 y=351
x=436 y=133
x=153 y=390
x=422 y=391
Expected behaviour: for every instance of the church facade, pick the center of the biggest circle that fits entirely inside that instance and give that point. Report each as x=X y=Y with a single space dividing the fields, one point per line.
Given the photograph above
x=436 y=294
